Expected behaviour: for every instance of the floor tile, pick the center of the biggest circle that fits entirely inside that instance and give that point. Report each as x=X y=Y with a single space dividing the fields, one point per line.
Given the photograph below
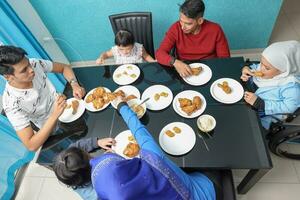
x=30 y=188
x=54 y=190
x=36 y=170
x=272 y=191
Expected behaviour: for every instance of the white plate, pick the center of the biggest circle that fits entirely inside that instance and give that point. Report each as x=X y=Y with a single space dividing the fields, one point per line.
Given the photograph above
x=237 y=91
x=181 y=143
x=204 y=76
x=89 y=106
x=67 y=116
x=162 y=102
x=126 y=79
x=190 y=95
x=121 y=143
x=128 y=90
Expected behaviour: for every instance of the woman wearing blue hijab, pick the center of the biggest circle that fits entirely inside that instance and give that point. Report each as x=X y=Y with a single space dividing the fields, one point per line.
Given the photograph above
x=151 y=176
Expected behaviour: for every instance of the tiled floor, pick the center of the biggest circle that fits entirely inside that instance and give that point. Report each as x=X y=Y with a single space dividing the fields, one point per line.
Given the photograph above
x=281 y=183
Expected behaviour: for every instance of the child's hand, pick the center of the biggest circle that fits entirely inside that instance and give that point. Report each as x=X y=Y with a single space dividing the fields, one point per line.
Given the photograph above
x=246 y=73
x=106 y=143
x=250 y=97
x=100 y=60
x=118 y=100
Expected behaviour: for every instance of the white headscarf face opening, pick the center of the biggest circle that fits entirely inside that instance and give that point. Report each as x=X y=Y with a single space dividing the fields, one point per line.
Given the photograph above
x=285 y=56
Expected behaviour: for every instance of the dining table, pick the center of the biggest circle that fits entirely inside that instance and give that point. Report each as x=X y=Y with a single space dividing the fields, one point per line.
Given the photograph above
x=237 y=141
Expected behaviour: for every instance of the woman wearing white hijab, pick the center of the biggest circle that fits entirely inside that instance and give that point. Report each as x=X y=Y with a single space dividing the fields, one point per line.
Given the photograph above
x=278 y=81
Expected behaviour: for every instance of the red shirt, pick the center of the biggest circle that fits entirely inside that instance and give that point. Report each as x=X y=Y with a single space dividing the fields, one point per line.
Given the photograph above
x=210 y=42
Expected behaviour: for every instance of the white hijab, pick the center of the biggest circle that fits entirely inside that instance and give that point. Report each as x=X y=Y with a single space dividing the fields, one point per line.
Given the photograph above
x=284 y=56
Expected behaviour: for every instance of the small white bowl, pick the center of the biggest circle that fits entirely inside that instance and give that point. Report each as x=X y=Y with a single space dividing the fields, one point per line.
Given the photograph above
x=137 y=102
x=206 y=123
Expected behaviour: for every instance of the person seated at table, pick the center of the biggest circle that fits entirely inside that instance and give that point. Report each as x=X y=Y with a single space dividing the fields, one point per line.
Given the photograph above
x=277 y=79
x=150 y=176
x=29 y=96
x=193 y=38
x=126 y=50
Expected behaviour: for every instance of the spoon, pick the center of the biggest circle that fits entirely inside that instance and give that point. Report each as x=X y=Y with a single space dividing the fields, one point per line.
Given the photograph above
x=145 y=100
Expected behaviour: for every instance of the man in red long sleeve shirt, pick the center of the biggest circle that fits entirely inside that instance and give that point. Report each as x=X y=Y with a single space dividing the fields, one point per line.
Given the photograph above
x=193 y=37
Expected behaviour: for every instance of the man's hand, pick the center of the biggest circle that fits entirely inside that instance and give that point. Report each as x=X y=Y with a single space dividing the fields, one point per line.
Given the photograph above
x=78 y=91
x=106 y=143
x=246 y=73
x=59 y=105
x=250 y=97
x=183 y=69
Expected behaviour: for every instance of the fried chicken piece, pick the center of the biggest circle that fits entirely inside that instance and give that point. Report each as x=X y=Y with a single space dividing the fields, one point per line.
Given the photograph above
x=169 y=133
x=176 y=129
x=105 y=98
x=89 y=98
x=120 y=93
x=225 y=87
x=196 y=71
x=132 y=75
x=189 y=109
x=111 y=96
x=164 y=94
x=184 y=102
x=258 y=74
x=131 y=138
x=197 y=102
x=138 y=109
x=156 y=97
x=98 y=103
x=125 y=73
x=118 y=75
x=98 y=92
x=131 y=150
x=132 y=96
x=75 y=105
x=68 y=106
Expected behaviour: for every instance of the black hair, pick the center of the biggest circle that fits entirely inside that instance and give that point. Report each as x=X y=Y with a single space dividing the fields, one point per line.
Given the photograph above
x=124 y=38
x=72 y=167
x=192 y=8
x=10 y=55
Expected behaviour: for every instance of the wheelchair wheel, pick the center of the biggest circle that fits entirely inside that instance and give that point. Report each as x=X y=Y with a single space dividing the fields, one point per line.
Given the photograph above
x=277 y=140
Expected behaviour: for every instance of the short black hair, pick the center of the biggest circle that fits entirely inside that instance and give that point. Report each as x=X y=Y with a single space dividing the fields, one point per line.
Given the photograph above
x=10 y=55
x=124 y=38
x=192 y=8
x=72 y=167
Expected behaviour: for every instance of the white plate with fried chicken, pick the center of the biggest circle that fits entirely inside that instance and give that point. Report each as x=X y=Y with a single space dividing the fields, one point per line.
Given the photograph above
x=128 y=92
x=75 y=108
x=227 y=90
x=177 y=138
x=126 y=74
x=189 y=104
x=126 y=145
x=201 y=74
x=98 y=99
x=160 y=97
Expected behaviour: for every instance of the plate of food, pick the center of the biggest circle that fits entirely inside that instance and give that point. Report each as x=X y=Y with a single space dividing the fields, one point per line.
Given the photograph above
x=227 y=90
x=189 y=104
x=126 y=74
x=201 y=74
x=126 y=145
x=98 y=99
x=177 y=138
x=75 y=108
x=128 y=92
x=160 y=97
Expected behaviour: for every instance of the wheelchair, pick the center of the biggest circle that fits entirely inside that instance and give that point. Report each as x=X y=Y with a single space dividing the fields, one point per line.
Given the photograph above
x=284 y=132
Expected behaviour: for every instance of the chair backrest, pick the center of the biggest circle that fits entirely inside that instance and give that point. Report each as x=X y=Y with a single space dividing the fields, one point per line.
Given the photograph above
x=139 y=23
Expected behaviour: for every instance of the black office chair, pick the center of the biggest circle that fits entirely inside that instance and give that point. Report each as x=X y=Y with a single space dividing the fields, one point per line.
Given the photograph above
x=284 y=131
x=139 y=23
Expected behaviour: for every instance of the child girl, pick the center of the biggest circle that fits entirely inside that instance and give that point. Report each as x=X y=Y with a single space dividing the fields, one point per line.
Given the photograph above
x=126 y=50
x=277 y=79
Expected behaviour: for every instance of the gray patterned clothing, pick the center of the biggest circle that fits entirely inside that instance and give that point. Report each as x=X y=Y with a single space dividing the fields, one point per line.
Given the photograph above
x=35 y=104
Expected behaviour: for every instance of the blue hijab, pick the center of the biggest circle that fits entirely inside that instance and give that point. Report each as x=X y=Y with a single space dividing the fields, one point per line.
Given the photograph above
x=148 y=177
